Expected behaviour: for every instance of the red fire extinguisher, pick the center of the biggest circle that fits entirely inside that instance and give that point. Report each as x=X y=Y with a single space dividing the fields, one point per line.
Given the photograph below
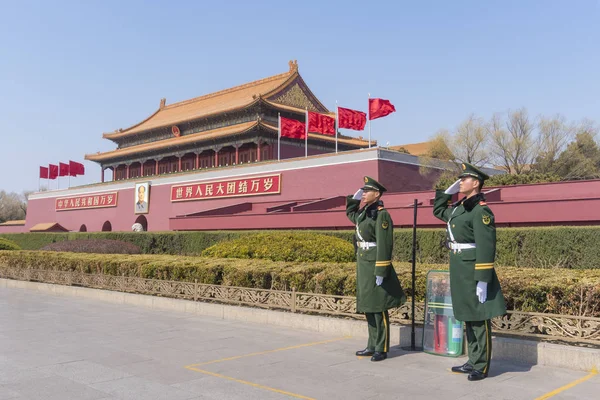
x=440 y=334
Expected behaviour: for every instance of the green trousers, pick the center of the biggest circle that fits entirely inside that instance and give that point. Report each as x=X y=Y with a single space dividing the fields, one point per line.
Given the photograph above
x=379 y=331
x=479 y=340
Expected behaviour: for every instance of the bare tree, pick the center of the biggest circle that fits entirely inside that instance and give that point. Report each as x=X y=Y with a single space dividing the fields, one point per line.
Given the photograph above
x=470 y=142
x=439 y=146
x=554 y=136
x=11 y=207
x=513 y=148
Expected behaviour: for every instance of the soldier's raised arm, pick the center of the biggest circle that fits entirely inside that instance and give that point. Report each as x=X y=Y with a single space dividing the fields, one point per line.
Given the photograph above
x=352 y=204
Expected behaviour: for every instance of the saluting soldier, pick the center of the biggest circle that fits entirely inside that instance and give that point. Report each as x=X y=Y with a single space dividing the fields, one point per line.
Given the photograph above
x=377 y=286
x=476 y=293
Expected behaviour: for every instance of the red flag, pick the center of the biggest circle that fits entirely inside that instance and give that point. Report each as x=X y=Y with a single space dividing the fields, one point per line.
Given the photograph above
x=380 y=108
x=76 y=168
x=63 y=169
x=321 y=123
x=351 y=119
x=53 y=171
x=292 y=128
x=44 y=172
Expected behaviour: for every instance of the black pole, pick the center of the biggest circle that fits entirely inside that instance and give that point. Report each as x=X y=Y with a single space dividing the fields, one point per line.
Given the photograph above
x=414 y=278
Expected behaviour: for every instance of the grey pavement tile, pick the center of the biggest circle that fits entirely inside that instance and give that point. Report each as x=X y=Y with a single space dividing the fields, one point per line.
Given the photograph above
x=157 y=371
x=9 y=394
x=114 y=358
x=139 y=388
x=218 y=388
x=56 y=388
x=15 y=374
x=40 y=356
x=85 y=372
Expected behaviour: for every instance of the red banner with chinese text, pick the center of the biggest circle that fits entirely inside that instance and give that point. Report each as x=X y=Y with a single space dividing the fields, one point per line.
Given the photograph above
x=260 y=185
x=86 y=201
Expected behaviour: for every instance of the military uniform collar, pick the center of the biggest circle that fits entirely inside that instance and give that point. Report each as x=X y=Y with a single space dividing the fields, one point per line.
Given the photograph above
x=471 y=202
x=371 y=209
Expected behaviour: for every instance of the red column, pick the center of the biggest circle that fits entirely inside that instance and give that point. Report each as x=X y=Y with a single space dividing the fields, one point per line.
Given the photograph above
x=141 y=169
x=216 y=158
x=114 y=170
x=258 y=151
x=127 y=173
x=197 y=161
x=102 y=175
x=179 y=170
x=237 y=155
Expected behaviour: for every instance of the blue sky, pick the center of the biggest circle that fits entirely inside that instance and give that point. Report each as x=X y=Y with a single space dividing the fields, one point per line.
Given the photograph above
x=70 y=70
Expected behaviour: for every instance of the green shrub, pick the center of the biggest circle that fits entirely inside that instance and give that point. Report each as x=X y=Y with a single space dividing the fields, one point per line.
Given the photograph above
x=6 y=244
x=548 y=247
x=559 y=291
x=101 y=246
x=284 y=246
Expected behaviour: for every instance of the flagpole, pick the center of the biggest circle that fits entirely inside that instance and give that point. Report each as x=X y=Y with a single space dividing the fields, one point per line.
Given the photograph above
x=306 y=133
x=337 y=111
x=278 y=136
x=368 y=105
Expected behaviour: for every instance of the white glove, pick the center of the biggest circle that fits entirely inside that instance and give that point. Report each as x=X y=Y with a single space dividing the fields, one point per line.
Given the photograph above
x=358 y=194
x=481 y=291
x=454 y=188
x=378 y=280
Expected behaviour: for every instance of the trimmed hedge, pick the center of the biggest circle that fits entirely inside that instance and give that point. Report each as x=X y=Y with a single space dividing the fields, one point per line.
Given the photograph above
x=189 y=243
x=6 y=244
x=102 y=246
x=560 y=291
x=548 y=247
x=285 y=246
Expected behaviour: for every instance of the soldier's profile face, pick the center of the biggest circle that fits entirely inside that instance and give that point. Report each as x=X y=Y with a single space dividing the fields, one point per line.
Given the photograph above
x=369 y=196
x=468 y=184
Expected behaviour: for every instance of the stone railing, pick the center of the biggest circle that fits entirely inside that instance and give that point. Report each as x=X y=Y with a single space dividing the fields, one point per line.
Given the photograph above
x=565 y=328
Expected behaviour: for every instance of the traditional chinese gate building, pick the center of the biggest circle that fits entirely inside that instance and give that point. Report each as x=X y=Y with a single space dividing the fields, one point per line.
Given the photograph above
x=231 y=127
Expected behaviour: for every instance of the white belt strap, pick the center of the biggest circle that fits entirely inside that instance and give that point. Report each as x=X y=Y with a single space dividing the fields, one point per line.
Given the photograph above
x=366 y=245
x=462 y=246
x=450 y=229
x=357 y=230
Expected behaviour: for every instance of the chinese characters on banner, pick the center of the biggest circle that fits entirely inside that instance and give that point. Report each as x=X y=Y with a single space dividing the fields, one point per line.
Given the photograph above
x=86 y=201
x=260 y=185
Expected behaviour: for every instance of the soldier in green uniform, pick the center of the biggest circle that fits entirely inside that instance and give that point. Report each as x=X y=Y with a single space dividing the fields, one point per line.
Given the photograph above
x=476 y=293
x=377 y=286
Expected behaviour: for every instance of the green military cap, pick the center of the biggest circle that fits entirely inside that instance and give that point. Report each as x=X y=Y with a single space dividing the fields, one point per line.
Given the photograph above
x=372 y=184
x=470 y=170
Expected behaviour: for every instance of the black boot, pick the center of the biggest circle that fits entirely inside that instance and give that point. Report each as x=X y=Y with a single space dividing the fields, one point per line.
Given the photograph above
x=379 y=356
x=476 y=375
x=466 y=368
x=365 y=352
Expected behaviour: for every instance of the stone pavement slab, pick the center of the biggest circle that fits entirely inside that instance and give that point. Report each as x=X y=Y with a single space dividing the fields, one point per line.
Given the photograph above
x=60 y=347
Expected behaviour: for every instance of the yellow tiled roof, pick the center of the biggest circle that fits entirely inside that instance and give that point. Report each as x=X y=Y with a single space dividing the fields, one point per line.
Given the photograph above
x=210 y=104
x=13 y=223
x=174 y=141
x=41 y=227
x=416 y=149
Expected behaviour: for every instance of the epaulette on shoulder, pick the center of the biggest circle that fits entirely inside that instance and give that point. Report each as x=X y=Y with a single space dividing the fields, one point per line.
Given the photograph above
x=482 y=203
x=379 y=208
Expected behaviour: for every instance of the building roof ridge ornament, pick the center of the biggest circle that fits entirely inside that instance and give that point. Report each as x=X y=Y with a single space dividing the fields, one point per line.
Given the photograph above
x=293 y=65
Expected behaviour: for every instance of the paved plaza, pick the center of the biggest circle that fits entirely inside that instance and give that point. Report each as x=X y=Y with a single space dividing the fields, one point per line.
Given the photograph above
x=55 y=347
